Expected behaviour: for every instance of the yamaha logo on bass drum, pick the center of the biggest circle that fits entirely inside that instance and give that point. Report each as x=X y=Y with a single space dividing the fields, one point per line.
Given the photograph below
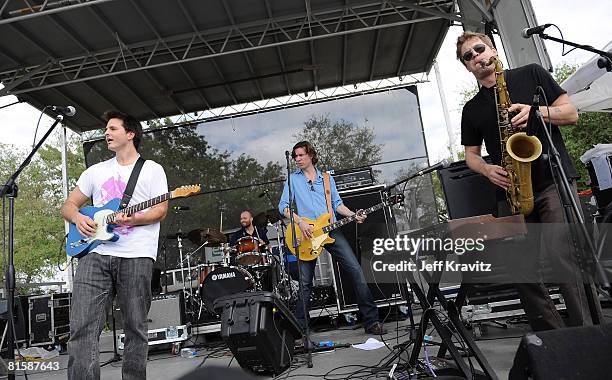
x=223 y=276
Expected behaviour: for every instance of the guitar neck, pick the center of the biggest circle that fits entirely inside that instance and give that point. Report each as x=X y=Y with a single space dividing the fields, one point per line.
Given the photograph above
x=352 y=218
x=139 y=206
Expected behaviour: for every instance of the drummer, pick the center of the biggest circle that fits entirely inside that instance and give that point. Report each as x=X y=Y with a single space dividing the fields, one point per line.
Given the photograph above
x=249 y=230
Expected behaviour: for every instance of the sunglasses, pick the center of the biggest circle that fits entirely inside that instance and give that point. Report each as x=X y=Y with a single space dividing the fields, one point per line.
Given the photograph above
x=467 y=56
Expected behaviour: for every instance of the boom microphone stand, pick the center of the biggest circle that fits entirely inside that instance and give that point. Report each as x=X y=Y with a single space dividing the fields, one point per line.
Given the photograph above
x=306 y=337
x=572 y=213
x=605 y=62
x=10 y=190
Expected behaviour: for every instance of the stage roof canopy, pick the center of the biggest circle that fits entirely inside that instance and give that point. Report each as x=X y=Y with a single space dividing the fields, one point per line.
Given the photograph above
x=157 y=58
x=590 y=87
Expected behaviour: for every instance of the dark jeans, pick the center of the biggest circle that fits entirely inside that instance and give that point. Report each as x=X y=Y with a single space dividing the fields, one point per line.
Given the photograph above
x=97 y=279
x=340 y=251
x=554 y=245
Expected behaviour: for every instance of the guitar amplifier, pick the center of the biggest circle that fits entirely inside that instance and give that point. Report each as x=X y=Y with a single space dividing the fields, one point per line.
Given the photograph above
x=166 y=310
x=380 y=224
x=353 y=178
x=166 y=320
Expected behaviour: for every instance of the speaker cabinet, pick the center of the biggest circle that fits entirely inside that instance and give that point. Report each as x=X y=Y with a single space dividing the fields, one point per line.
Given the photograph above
x=603 y=198
x=571 y=353
x=467 y=193
x=259 y=330
x=379 y=224
x=20 y=316
x=166 y=310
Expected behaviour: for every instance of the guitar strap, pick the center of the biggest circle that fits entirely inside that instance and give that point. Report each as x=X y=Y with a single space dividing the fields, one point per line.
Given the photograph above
x=131 y=185
x=327 y=187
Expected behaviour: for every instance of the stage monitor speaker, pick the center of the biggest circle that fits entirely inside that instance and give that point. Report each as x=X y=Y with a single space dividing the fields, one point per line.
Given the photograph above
x=572 y=353
x=379 y=224
x=603 y=198
x=467 y=193
x=259 y=330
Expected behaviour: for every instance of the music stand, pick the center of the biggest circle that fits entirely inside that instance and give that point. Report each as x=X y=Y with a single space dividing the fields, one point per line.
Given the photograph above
x=427 y=301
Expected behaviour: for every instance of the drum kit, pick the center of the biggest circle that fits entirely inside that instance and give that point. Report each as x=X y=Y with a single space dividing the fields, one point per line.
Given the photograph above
x=249 y=265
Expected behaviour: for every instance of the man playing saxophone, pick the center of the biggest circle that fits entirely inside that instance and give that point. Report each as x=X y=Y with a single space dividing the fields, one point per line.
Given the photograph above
x=480 y=122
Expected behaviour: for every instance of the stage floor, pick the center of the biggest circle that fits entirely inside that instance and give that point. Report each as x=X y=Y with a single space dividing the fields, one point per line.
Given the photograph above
x=497 y=344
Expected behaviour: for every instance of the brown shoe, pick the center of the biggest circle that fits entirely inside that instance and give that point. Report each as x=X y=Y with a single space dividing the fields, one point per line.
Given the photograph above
x=376 y=329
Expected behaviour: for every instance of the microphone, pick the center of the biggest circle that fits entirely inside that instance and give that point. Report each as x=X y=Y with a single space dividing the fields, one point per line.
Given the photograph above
x=64 y=110
x=535 y=105
x=263 y=194
x=442 y=164
x=180 y=208
x=528 y=32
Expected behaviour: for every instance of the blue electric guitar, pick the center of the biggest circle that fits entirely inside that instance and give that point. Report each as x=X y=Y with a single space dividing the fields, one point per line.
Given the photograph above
x=79 y=245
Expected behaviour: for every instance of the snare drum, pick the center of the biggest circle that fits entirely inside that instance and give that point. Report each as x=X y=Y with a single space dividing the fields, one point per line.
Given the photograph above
x=224 y=281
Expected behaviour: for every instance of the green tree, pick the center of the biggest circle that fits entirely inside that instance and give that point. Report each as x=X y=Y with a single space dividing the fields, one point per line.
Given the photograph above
x=467 y=94
x=592 y=128
x=229 y=181
x=341 y=144
x=39 y=228
x=419 y=210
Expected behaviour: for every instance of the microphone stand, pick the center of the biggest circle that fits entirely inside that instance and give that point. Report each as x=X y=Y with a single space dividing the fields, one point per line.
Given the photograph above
x=426 y=299
x=604 y=62
x=306 y=330
x=165 y=251
x=116 y=357
x=572 y=213
x=285 y=280
x=10 y=190
x=421 y=172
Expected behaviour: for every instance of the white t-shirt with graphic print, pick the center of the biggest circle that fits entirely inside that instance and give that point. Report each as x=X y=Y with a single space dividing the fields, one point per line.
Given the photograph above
x=107 y=180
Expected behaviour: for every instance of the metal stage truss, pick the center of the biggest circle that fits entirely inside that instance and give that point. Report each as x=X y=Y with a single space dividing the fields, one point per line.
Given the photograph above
x=158 y=59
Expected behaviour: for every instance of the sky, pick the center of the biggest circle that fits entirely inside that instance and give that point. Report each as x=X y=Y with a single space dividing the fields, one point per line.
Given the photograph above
x=585 y=21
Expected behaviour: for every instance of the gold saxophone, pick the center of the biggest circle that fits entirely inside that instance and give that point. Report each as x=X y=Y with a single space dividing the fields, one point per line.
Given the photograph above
x=517 y=149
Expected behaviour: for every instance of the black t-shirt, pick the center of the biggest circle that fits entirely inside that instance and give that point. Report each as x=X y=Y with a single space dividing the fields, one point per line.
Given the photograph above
x=479 y=120
x=258 y=232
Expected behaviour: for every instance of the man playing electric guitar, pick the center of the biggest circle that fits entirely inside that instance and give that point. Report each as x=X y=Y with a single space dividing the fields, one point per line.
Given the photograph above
x=121 y=267
x=309 y=194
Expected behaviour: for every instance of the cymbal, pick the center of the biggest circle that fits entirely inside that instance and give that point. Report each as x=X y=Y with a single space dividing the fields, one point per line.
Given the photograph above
x=210 y=236
x=264 y=217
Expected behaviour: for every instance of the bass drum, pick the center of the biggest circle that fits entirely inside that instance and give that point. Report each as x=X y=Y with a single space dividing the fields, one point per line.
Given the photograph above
x=224 y=281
